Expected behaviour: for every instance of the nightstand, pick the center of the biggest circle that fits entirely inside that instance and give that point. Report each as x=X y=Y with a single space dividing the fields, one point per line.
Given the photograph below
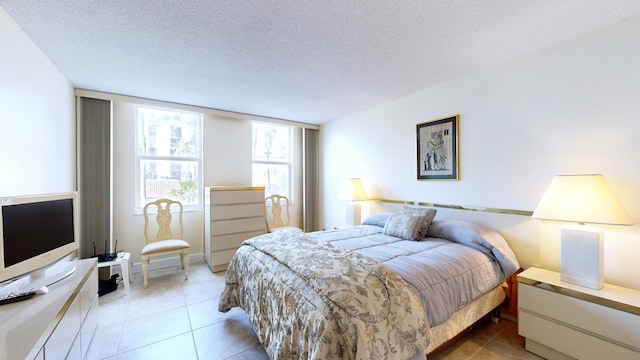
x=564 y=321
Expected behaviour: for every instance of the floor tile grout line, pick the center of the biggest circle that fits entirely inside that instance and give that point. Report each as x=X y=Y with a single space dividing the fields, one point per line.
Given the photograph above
x=195 y=345
x=186 y=305
x=497 y=335
x=154 y=314
x=156 y=342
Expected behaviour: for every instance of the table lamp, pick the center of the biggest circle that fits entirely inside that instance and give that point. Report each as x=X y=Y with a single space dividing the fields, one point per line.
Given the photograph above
x=582 y=199
x=353 y=191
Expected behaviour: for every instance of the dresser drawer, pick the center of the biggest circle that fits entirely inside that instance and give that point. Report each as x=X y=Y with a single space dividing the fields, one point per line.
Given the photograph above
x=237 y=226
x=220 y=259
x=616 y=325
x=219 y=197
x=223 y=212
x=233 y=241
x=65 y=334
x=89 y=326
x=88 y=294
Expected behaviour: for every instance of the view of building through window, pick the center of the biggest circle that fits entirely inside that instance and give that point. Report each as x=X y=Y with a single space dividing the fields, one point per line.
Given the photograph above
x=271 y=151
x=168 y=156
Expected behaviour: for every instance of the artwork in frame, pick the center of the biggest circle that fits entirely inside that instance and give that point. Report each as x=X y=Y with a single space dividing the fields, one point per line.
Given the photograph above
x=437 y=156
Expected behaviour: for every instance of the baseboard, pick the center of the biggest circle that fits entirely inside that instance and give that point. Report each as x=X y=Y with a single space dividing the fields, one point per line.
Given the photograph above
x=544 y=351
x=155 y=264
x=509 y=317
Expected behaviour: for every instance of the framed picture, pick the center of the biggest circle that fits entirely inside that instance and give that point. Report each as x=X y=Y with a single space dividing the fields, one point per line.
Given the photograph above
x=437 y=157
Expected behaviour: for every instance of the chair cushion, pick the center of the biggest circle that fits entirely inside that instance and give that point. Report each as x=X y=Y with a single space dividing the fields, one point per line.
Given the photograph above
x=164 y=245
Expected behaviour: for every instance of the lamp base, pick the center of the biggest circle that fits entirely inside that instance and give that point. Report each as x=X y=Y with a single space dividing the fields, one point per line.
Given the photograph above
x=353 y=214
x=582 y=256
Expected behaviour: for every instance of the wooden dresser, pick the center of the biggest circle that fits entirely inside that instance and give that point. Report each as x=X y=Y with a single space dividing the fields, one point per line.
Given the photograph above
x=232 y=215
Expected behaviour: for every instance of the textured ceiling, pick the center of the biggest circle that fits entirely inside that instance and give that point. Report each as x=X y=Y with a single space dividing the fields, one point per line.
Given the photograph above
x=310 y=61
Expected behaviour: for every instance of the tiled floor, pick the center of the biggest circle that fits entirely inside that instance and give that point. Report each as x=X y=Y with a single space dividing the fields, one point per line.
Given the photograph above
x=177 y=319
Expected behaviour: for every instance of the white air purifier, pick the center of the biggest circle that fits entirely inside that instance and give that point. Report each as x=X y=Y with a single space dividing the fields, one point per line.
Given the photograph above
x=582 y=256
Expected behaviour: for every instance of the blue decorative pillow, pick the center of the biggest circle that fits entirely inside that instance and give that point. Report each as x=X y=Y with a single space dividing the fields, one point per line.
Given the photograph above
x=404 y=226
x=479 y=237
x=378 y=219
x=427 y=213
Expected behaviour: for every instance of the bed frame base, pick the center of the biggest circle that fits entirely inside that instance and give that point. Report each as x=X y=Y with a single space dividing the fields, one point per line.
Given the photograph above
x=463 y=320
x=493 y=315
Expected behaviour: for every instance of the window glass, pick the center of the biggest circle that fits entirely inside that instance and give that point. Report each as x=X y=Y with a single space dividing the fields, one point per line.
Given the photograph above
x=168 y=156
x=271 y=151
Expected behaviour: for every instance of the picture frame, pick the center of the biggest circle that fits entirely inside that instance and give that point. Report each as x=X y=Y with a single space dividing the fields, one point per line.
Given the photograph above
x=437 y=149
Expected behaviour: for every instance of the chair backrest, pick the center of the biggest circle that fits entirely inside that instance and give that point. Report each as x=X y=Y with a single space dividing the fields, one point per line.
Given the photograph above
x=163 y=220
x=278 y=203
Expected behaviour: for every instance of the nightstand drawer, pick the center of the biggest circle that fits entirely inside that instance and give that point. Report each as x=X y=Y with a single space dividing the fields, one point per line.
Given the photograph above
x=561 y=320
x=614 y=325
x=572 y=342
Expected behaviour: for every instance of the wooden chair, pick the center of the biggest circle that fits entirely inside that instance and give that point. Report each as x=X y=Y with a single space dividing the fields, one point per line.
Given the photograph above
x=274 y=218
x=166 y=241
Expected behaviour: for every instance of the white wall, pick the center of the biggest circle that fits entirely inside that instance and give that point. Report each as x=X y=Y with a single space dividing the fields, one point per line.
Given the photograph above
x=226 y=161
x=227 y=152
x=37 y=118
x=570 y=109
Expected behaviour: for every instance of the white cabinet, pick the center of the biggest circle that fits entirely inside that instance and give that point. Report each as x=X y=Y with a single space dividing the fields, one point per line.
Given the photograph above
x=565 y=321
x=232 y=215
x=58 y=325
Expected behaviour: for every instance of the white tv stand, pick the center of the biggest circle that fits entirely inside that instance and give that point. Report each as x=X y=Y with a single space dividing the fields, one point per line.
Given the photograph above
x=57 y=325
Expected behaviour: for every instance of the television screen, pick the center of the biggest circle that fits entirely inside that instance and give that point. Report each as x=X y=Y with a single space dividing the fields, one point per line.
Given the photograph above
x=36 y=232
x=35 y=228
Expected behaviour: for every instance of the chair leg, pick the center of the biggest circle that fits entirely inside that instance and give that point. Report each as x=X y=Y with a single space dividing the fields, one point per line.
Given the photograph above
x=145 y=272
x=185 y=264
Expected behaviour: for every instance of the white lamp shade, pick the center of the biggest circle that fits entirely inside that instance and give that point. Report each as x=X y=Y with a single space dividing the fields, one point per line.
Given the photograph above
x=353 y=190
x=581 y=198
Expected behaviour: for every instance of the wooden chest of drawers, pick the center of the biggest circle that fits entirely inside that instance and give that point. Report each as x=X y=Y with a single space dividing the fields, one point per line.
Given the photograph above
x=232 y=215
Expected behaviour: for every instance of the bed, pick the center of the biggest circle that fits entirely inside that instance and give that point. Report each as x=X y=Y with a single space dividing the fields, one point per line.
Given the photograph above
x=397 y=287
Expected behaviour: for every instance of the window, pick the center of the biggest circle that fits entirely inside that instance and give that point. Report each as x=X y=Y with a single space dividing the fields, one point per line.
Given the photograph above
x=271 y=151
x=168 y=156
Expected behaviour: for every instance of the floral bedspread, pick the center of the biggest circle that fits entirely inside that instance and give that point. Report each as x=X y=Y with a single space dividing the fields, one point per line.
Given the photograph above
x=308 y=299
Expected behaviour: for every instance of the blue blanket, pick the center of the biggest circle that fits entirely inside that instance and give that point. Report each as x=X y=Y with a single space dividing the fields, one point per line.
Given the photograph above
x=458 y=261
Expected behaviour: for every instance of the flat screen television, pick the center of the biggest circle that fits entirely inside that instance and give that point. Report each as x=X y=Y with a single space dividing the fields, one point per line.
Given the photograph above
x=36 y=232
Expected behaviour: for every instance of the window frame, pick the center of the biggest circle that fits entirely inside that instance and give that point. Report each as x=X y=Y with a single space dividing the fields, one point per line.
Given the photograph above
x=290 y=191
x=138 y=206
